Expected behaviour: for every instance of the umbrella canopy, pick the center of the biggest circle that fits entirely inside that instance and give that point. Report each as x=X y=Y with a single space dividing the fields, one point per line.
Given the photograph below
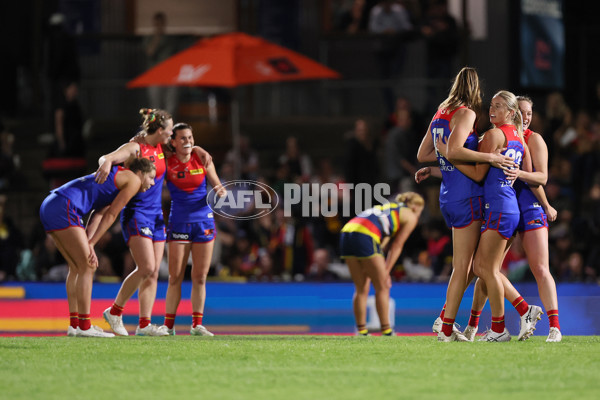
x=232 y=60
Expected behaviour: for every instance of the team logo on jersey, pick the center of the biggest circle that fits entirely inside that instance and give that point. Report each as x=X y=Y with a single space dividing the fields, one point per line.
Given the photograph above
x=180 y=175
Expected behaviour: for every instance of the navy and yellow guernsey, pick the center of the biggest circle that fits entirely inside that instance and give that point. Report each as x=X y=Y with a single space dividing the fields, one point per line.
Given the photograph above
x=362 y=235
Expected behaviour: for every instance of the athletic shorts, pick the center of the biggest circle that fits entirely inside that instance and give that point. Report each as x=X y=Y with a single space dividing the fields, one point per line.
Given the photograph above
x=138 y=224
x=460 y=214
x=532 y=219
x=57 y=213
x=505 y=224
x=195 y=232
x=359 y=245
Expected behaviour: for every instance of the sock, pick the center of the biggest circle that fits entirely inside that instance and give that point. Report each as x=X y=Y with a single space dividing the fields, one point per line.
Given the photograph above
x=116 y=310
x=84 y=322
x=74 y=320
x=443 y=312
x=197 y=318
x=447 y=326
x=386 y=330
x=362 y=329
x=474 y=318
x=498 y=324
x=144 y=322
x=520 y=305
x=170 y=320
x=553 y=319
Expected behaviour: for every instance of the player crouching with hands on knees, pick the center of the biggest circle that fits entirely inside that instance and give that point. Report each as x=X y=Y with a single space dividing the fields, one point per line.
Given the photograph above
x=62 y=215
x=361 y=243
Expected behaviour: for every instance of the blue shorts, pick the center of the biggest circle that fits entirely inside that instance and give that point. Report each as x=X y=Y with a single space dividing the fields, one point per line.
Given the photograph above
x=505 y=224
x=460 y=214
x=194 y=232
x=138 y=224
x=359 y=245
x=57 y=213
x=532 y=219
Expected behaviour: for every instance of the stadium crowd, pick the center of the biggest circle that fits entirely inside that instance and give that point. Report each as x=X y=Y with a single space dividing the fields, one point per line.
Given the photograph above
x=276 y=247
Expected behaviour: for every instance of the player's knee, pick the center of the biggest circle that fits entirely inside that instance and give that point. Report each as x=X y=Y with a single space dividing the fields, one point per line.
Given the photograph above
x=146 y=270
x=199 y=279
x=175 y=280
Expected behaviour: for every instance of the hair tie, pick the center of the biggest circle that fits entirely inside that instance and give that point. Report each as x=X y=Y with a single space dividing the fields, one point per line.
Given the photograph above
x=152 y=118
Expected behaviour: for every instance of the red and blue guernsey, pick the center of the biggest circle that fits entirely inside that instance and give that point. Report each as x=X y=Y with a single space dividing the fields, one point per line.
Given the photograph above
x=455 y=185
x=526 y=198
x=150 y=201
x=499 y=194
x=86 y=195
x=187 y=183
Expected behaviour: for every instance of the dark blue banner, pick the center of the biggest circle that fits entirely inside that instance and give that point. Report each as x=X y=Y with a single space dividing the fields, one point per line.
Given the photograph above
x=542 y=44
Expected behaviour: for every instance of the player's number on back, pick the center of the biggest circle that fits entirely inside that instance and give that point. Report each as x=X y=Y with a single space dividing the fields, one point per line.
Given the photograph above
x=515 y=155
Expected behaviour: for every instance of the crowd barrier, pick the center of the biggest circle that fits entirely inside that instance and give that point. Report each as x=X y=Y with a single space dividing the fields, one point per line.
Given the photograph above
x=292 y=308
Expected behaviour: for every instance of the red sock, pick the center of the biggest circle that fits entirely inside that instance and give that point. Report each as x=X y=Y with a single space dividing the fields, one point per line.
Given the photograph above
x=197 y=318
x=520 y=305
x=169 y=320
x=443 y=312
x=553 y=319
x=84 y=322
x=498 y=324
x=144 y=322
x=474 y=318
x=116 y=310
x=447 y=326
x=74 y=320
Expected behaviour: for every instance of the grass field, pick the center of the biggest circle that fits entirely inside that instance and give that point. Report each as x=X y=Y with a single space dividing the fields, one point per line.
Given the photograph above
x=297 y=367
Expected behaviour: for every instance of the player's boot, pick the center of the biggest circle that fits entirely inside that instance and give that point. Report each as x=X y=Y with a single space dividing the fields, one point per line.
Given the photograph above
x=115 y=322
x=554 y=335
x=528 y=322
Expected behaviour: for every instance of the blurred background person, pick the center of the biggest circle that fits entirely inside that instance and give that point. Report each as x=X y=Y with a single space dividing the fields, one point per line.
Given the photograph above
x=158 y=47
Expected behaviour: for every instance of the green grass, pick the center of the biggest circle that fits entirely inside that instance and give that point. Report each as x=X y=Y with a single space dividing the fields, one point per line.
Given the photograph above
x=297 y=367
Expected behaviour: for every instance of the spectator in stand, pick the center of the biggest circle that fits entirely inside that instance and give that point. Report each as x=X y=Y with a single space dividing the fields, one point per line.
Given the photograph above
x=326 y=228
x=9 y=162
x=68 y=124
x=361 y=163
x=11 y=243
x=299 y=163
x=558 y=119
x=61 y=64
x=158 y=47
x=355 y=19
x=441 y=37
x=439 y=248
x=391 y=21
x=319 y=269
x=248 y=159
x=400 y=153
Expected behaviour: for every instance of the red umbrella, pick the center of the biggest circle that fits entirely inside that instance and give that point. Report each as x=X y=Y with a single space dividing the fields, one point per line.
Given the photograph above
x=232 y=60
